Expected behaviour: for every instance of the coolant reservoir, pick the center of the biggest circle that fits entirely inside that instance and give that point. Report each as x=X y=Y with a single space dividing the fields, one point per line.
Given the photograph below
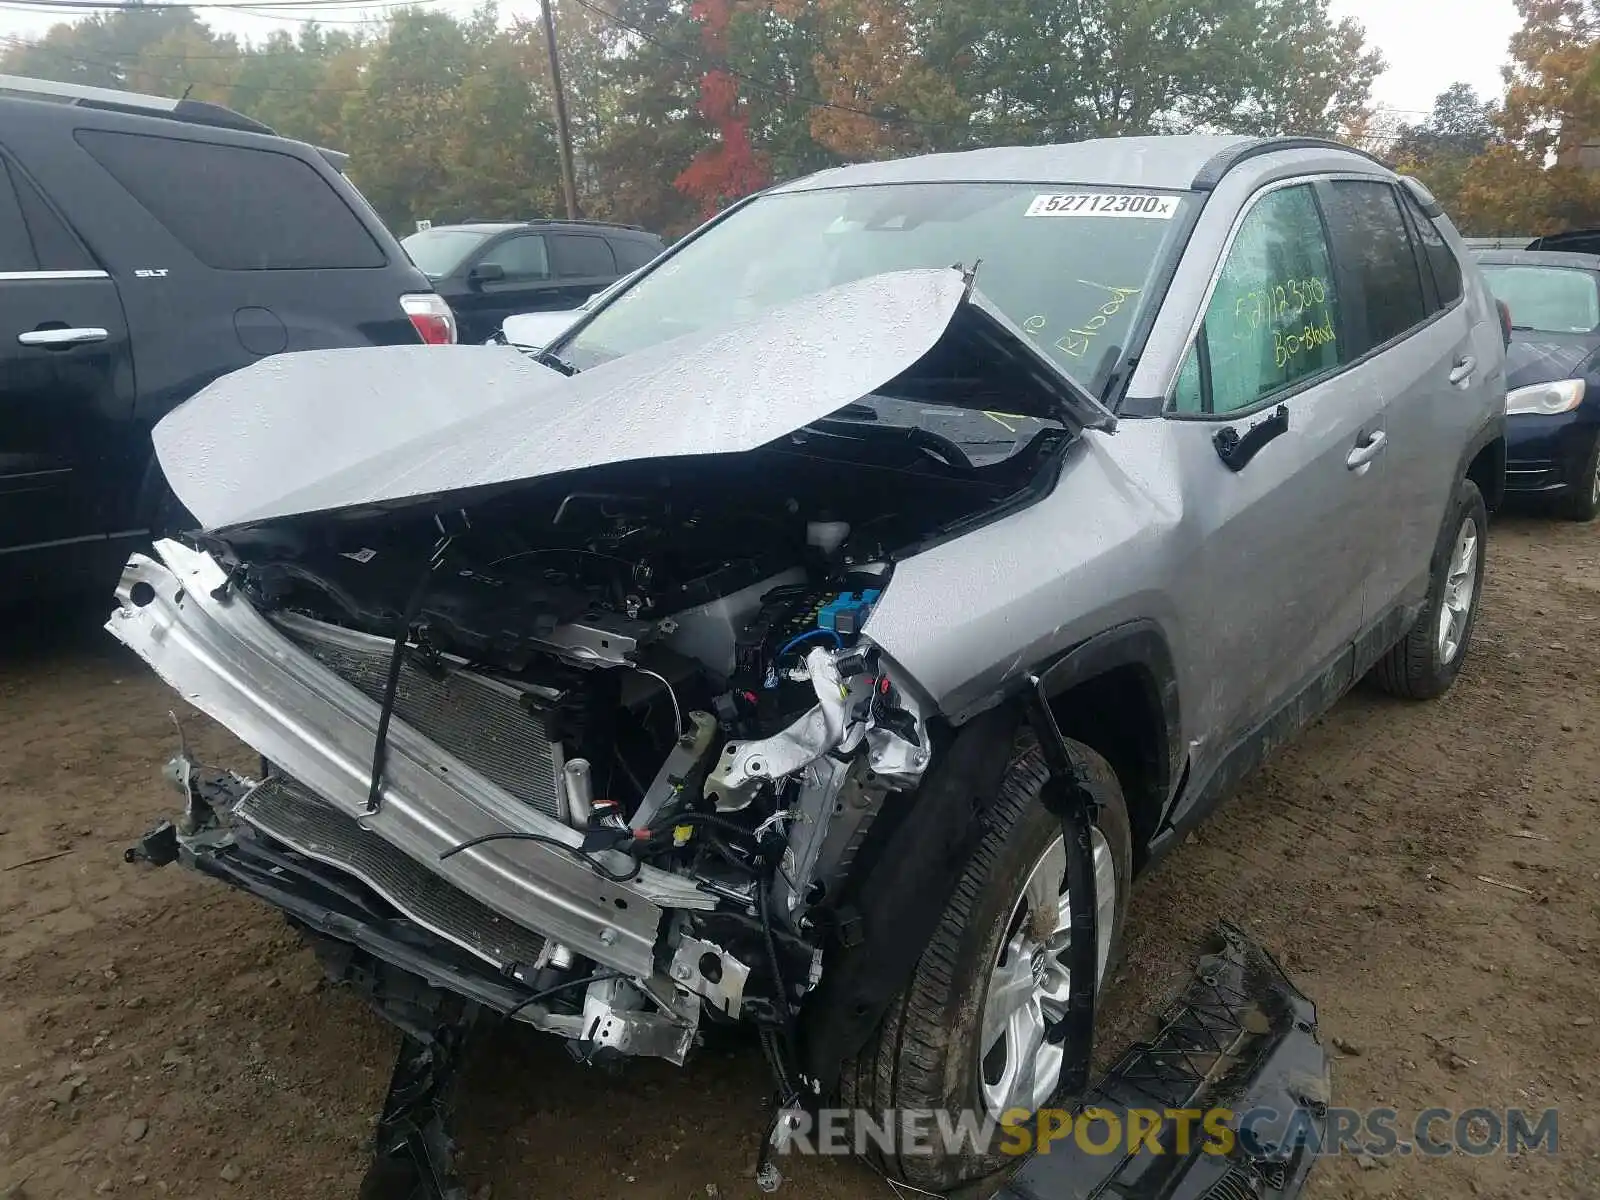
x=827 y=536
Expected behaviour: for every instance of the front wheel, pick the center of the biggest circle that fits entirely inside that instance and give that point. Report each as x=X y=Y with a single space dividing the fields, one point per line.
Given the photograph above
x=967 y=1036
x=1425 y=662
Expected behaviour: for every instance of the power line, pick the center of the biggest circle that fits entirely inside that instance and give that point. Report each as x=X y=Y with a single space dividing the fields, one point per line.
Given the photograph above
x=133 y=65
x=241 y=6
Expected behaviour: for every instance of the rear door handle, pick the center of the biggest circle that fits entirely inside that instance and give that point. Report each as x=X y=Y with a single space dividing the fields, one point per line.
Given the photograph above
x=1361 y=457
x=1463 y=369
x=62 y=337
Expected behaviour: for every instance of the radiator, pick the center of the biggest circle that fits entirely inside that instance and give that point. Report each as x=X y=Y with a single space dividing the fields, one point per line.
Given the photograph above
x=493 y=726
x=285 y=810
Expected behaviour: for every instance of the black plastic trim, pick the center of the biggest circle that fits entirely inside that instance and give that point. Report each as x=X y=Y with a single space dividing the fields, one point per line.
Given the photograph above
x=1241 y=1038
x=1218 y=165
x=1138 y=643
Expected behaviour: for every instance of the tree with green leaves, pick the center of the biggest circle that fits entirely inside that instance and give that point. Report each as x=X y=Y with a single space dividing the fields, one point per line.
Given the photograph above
x=679 y=106
x=1443 y=150
x=1063 y=70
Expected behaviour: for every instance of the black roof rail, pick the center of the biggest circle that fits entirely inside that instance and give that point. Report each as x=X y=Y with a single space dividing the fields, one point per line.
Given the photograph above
x=1576 y=241
x=1219 y=164
x=194 y=112
x=582 y=221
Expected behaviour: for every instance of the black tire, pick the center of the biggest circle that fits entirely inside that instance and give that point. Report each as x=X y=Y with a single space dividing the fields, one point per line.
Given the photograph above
x=1582 y=503
x=925 y=1054
x=1414 y=667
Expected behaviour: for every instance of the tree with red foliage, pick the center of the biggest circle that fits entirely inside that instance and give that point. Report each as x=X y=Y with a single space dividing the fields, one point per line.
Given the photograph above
x=730 y=167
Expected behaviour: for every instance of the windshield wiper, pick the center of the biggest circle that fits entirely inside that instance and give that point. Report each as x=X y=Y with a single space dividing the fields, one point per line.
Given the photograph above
x=555 y=362
x=847 y=423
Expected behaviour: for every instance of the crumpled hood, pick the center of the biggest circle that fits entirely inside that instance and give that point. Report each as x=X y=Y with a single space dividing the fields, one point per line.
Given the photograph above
x=340 y=429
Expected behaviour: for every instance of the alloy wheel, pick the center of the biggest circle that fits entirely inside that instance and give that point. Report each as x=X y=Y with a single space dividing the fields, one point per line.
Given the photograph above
x=1030 y=983
x=1460 y=590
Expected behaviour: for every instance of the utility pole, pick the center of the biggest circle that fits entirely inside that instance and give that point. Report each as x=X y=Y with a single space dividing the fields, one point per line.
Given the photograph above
x=569 y=187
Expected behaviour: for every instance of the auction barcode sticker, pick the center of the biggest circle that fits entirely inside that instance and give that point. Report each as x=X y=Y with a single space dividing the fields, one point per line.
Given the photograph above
x=1104 y=204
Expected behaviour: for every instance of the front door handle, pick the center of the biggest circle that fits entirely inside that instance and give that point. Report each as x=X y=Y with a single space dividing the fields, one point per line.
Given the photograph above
x=1463 y=369
x=62 y=337
x=1360 y=458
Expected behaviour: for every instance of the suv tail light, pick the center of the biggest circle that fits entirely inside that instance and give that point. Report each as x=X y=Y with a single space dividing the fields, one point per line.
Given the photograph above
x=431 y=318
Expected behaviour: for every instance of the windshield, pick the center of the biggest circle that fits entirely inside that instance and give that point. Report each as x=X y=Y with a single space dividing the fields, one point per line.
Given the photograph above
x=1070 y=267
x=1547 y=299
x=438 y=252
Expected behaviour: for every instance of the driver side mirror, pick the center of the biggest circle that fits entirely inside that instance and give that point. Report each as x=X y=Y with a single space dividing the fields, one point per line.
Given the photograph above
x=486 y=273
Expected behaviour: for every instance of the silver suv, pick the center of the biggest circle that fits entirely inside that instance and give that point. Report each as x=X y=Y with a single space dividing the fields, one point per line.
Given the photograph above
x=825 y=631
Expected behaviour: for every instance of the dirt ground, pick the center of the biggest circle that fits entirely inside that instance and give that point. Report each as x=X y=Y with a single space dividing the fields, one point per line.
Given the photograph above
x=162 y=1036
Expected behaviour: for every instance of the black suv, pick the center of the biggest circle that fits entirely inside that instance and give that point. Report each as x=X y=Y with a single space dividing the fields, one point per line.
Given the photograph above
x=147 y=246
x=491 y=270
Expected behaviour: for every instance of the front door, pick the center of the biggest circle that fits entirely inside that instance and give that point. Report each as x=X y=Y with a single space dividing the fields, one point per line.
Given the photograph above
x=1271 y=596
x=66 y=379
x=512 y=276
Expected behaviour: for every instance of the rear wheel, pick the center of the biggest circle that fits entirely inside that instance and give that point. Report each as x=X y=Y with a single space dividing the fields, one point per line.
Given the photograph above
x=1582 y=503
x=1425 y=662
x=968 y=1033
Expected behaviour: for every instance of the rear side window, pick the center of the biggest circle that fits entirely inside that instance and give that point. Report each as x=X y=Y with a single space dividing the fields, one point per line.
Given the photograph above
x=1384 y=297
x=237 y=208
x=581 y=256
x=16 y=248
x=32 y=237
x=522 y=257
x=1437 y=253
x=1273 y=320
x=632 y=255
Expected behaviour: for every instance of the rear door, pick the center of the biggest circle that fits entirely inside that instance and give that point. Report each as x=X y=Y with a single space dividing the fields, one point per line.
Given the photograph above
x=226 y=248
x=66 y=377
x=1272 y=591
x=583 y=263
x=1411 y=328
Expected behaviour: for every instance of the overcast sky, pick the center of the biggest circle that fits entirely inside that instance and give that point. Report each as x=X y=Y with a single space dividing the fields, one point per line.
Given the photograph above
x=1427 y=46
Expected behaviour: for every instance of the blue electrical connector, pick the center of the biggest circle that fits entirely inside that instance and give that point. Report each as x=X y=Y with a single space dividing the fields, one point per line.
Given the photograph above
x=847 y=612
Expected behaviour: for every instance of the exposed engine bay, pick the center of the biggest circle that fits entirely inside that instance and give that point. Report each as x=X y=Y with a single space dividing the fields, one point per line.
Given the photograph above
x=565 y=686
x=666 y=658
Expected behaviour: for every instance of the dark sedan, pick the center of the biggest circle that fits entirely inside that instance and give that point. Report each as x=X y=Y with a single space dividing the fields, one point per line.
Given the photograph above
x=1552 y=374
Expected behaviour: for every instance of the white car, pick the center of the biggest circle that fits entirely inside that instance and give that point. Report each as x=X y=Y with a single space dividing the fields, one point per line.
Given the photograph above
x=532 y=332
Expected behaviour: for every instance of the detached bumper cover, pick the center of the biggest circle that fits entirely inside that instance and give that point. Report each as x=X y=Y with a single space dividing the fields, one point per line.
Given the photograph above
x=1240 y=1038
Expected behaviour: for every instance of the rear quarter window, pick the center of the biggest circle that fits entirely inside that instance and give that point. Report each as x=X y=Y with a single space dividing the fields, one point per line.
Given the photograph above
x=237 y=208
x=1440 y=258
x=632 y=255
